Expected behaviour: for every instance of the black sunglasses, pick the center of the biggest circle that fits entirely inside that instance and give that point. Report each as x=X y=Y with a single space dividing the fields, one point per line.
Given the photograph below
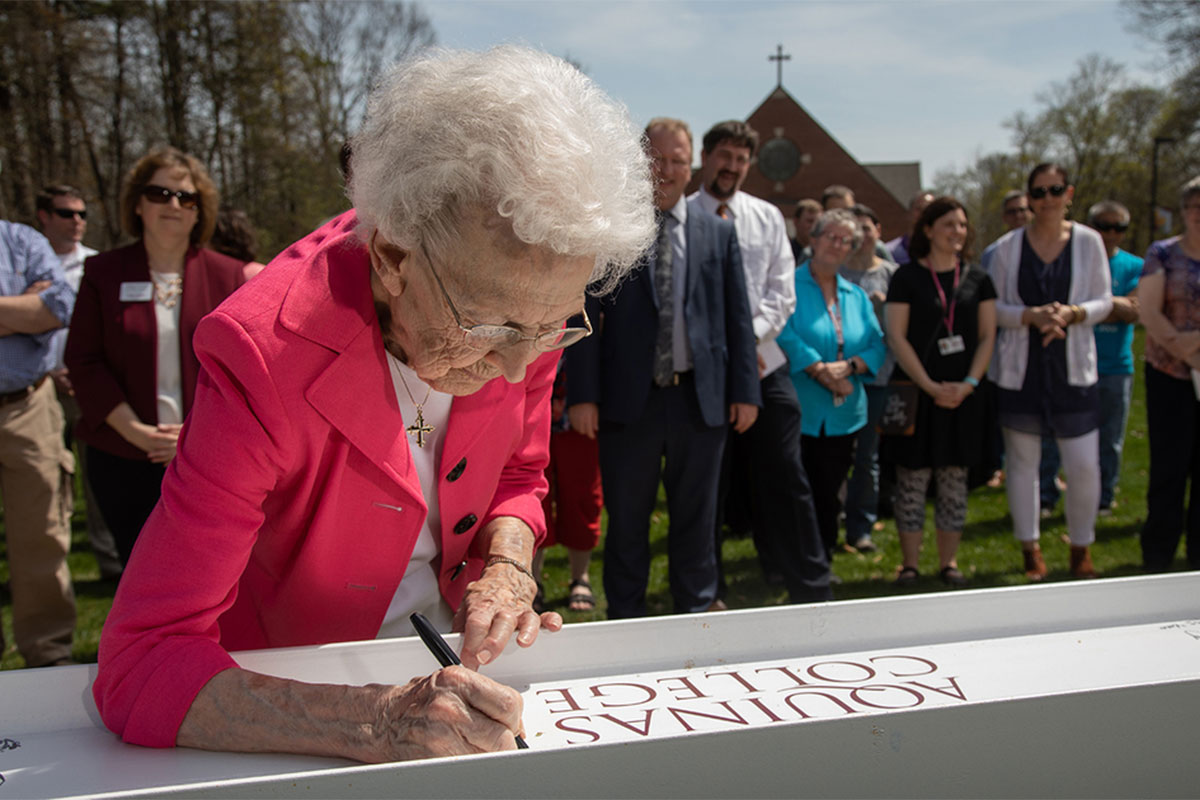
x=1038 y=192
x=68 y=213
x=161 y=195
x=1105 y=227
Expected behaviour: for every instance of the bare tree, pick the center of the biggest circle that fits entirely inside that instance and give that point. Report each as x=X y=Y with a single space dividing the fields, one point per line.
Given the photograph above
x=265 y=93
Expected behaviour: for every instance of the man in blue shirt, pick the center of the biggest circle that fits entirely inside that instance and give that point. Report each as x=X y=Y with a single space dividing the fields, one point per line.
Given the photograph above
x=1114 y=344
x=1114 y=355
x=35 y=466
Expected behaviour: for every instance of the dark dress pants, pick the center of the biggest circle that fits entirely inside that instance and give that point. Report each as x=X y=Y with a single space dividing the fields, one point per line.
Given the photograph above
x=631 y=463
x=126 y=491
x=1173 y=417
x=783 y=515
x=828 y=459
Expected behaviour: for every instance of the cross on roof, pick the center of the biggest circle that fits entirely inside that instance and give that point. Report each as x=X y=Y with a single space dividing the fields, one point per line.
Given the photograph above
x=779 y=58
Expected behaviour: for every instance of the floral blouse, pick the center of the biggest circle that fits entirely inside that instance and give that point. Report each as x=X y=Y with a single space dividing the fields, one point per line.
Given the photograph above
x=1181 y=300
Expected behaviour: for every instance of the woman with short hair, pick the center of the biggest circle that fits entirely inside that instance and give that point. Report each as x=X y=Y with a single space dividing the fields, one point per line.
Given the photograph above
x=371 y=424
x=834 y=347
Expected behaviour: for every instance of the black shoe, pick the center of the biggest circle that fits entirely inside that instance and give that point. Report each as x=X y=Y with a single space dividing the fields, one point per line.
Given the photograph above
x=952 y=577
x=907 y=576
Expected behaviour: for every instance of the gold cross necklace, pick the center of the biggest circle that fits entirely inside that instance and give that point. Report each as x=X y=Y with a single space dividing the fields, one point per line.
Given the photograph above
x=418 y=427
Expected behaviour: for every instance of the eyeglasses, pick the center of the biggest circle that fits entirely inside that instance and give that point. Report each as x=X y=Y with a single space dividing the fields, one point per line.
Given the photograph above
x=1017 y=210
x=1105 y=227
x=1039 y=192
x=844 y=241
x=68 y=213
x=494 y=337
x=161 y=195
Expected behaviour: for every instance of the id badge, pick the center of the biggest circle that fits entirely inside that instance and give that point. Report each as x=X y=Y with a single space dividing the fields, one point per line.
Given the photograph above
x=951 y=345
x=136 y=291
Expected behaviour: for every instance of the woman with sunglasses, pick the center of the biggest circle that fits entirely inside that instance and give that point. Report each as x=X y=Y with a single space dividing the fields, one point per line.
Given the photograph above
x=1170 y=310
x=1053 y=286
x=129 y=351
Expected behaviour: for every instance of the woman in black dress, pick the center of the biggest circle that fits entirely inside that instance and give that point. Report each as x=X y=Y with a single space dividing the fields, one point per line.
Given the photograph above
x=941 y=323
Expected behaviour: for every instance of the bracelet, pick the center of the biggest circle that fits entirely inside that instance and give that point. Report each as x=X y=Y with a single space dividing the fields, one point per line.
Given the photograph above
x=511 y=562
x=971 y=381
x=1080 y=314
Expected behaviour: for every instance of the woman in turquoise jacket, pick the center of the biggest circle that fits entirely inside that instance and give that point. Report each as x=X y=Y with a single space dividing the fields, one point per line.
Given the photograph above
x=834 y=346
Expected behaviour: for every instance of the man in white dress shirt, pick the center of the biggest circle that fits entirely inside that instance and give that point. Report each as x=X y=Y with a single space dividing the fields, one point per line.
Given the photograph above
x=780 y=498
x=62 y=215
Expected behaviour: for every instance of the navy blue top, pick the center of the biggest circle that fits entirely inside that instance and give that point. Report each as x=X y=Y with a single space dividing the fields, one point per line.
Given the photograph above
x=1046 y=404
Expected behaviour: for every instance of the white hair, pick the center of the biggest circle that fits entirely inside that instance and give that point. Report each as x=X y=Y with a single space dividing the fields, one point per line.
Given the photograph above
x=453 y=135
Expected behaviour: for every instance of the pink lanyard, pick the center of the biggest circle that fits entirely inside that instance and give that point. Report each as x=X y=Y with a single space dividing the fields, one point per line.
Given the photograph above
x=835 y=314
x=942 y=294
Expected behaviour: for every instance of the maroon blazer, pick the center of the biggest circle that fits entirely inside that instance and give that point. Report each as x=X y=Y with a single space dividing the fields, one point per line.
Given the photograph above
x=112 y=347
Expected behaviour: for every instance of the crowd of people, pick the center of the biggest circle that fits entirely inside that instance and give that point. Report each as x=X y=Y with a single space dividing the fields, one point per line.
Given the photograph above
x=380 y=423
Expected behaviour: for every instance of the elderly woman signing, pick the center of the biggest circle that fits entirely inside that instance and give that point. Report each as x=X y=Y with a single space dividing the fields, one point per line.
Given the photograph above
x=370 y=425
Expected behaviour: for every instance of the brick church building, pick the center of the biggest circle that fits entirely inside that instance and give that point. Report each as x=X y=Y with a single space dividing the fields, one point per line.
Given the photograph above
x=798 y=158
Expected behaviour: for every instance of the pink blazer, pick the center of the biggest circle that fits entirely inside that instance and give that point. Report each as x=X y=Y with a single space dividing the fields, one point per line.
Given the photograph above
x=293 y=506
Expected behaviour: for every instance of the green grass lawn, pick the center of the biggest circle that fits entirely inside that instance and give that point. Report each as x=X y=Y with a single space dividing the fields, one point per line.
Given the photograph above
x=989 y=555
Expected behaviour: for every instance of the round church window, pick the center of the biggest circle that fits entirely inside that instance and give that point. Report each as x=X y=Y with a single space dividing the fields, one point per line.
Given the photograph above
x=779 y=159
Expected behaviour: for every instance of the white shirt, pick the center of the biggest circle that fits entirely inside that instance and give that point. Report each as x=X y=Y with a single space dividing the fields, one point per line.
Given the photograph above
x=72 y=267
x=169 y=386
x=767 y=261
x=418 y=589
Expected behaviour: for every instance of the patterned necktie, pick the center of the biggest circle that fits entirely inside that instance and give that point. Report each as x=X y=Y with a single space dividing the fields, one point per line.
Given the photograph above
x=723 y=211
x=664 y=361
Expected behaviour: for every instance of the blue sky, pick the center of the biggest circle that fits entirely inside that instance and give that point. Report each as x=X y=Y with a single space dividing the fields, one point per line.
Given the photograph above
x=924 y=80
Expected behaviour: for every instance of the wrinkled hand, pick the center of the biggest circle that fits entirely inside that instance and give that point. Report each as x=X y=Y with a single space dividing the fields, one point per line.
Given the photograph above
x=742 y=416
x=452 y=712
x=158 y=441
x=584 y=418
x=493 y=608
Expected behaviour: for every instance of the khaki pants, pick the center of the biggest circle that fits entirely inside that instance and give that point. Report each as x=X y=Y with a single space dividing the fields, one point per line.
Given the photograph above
x=99 y=536
x=37 y=531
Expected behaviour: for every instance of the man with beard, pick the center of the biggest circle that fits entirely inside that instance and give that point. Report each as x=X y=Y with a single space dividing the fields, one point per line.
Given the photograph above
x=767 y=459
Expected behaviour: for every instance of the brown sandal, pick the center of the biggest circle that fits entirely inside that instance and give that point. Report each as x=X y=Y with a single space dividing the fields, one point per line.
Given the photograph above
x=581 y=597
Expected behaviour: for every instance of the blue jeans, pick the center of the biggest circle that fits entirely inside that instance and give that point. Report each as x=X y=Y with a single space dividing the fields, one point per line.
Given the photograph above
x=1048 y=471
x=1116 y=392
x=862 y=489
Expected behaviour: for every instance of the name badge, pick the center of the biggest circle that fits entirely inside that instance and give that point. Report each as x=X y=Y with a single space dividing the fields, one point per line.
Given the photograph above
x=136 y=291
x=951 y=345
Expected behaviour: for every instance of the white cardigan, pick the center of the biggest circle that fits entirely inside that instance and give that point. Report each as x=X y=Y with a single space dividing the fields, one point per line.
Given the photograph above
x=1091 y=288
